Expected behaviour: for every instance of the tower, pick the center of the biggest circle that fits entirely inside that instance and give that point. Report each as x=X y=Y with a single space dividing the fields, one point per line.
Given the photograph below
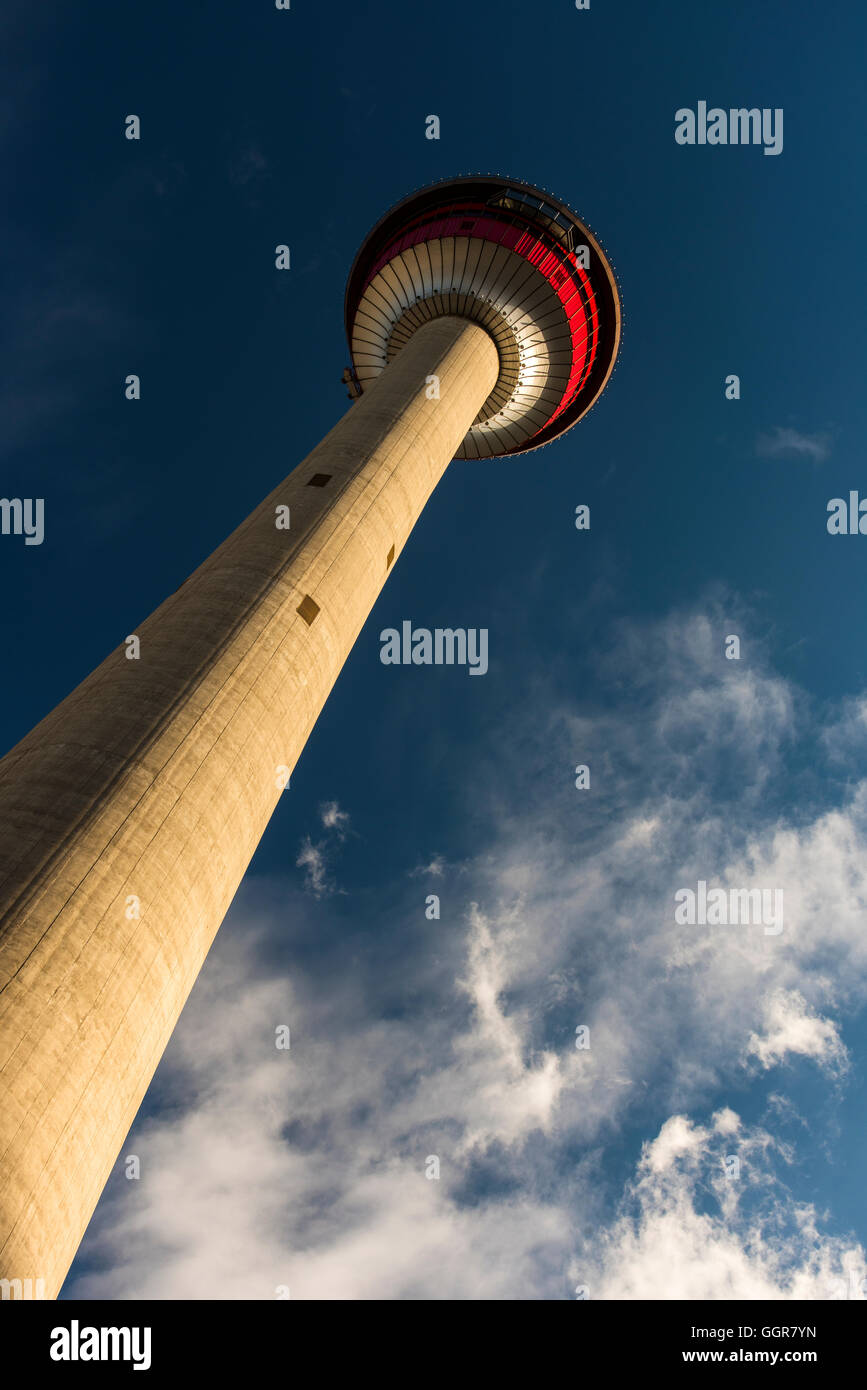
x=483 y=319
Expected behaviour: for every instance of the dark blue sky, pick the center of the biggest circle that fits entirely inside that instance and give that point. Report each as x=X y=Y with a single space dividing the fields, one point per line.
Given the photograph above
x=157 y=257
x=263 y=127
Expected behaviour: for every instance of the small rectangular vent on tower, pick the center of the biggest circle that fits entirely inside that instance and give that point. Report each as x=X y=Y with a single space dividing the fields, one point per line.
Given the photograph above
x=308 y=609
x=389 y=558
x=319 y=479
x=467 y=226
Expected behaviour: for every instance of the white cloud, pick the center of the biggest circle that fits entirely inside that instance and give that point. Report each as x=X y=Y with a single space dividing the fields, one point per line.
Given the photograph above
x=845 y=736
x=435 y=868
x=312 y=858
x=332 y=816
x=457 y=1038
x=668 y=1241
x=790 y=1027
x=788 y=441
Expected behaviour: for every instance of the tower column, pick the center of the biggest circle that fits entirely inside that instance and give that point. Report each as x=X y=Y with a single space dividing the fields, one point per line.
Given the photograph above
x=128 y=816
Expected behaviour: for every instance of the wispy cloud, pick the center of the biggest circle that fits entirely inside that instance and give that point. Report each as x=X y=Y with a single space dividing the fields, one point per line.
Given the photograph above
x=333 y=818
x=309 y=1167
x=248 y=165
x=749 y=1241
x=435 y=868
x=314 y=857
x=784 y=441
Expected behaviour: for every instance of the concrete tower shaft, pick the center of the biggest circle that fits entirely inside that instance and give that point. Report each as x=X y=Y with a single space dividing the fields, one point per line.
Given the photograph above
x=130 y=813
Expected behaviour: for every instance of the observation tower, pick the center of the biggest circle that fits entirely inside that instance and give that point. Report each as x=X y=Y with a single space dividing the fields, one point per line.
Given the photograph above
x=483 y=320
x=523 y=267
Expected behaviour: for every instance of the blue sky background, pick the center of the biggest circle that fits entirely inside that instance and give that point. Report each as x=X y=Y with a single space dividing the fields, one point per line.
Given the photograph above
x=708 y=518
